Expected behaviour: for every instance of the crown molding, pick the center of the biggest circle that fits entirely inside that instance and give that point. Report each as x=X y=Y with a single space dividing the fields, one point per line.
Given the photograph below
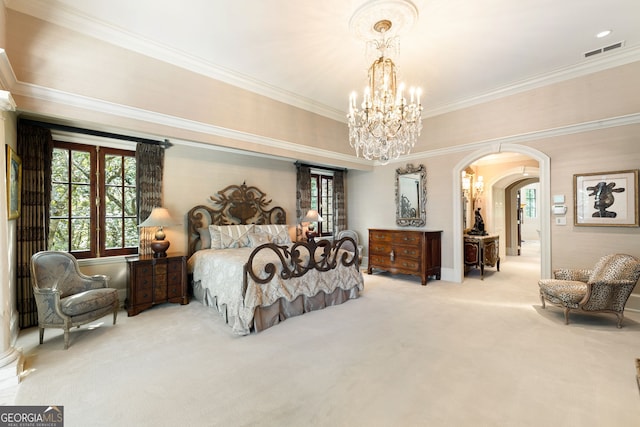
x=70 y=18
x=110 y=108
x=592 y=65
x=496 y=143
x=6 y=101
x=7 y=80
x=105 y=107
x=7 y=76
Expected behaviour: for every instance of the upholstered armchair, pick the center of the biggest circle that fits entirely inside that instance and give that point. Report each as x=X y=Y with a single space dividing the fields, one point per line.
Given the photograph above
x=348 y=246
x=604 y=289
x=65 y=297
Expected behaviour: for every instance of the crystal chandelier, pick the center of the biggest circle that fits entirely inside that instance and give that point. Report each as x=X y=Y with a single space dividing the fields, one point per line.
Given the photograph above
x=386 y=125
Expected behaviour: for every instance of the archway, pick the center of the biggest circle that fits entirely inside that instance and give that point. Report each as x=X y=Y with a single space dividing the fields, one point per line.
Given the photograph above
x=545 y=189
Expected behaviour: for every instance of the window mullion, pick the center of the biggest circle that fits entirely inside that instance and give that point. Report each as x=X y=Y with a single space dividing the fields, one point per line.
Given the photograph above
x=96 y=186
x=69 y=199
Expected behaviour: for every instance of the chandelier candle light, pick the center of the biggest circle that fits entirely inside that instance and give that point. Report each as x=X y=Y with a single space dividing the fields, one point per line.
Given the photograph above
x=386 y=125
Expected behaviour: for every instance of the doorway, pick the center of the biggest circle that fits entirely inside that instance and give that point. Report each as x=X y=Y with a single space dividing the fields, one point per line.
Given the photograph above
x=494 y=198
x=522 y=216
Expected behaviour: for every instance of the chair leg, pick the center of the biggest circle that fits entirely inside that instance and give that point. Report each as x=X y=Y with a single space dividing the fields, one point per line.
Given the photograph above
x=41 y=335
x=542 y=299
x=620 y=317
x=566 y=315
x=66 y=338
x=115 y=315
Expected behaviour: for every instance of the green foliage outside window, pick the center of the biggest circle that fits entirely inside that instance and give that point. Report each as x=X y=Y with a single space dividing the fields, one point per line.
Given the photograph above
x=93 y=210
x=530 y=201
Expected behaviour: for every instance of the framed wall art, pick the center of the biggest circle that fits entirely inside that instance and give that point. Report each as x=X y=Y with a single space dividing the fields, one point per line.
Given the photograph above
x=14 y=182
x=606 y=199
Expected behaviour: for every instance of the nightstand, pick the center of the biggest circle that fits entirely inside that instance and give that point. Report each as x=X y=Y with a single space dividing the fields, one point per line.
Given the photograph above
x=156 y=281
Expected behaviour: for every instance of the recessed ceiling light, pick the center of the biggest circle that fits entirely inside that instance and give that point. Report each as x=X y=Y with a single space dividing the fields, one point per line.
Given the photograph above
x=602 y=34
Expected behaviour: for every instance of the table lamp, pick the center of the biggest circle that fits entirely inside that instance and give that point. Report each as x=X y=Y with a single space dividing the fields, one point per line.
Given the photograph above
x=311 y=217
x=160 y=218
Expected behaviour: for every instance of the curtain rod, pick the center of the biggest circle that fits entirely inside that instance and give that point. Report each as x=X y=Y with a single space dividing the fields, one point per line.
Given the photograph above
x=165 y=144
x=298 y=164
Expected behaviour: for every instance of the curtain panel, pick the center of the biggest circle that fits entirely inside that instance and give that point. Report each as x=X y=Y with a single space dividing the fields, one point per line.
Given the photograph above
x=35 y=148
x=149 y=172
x=303 y=196
x=339 y=204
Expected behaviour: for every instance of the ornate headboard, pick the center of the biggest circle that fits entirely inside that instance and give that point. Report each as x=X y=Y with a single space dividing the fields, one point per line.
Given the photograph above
x=235 y=204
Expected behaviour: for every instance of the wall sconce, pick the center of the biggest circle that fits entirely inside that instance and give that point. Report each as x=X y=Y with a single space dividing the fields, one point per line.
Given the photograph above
x=311 y=217
x=160 y=218
x=466 y=182
x=479 y=186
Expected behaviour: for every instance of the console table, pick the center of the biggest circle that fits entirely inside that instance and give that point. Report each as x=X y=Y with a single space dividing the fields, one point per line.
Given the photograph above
x=406 y=251
x=481 y=251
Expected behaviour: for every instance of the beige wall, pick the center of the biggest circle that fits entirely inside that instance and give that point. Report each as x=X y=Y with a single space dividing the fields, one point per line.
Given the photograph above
x=215 y=171
x=611 y=93
x=603 y=150
x=569 y=121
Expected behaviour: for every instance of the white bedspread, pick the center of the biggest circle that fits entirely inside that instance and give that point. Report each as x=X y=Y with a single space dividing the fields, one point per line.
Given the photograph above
x=220 y=273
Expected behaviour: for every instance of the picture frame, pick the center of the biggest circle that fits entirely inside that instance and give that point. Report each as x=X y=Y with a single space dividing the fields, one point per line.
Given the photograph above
x=14 y=183
x=606 y=199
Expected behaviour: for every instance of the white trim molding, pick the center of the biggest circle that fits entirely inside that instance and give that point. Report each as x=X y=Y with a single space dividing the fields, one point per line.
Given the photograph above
x=6 y=101
x=7 y=76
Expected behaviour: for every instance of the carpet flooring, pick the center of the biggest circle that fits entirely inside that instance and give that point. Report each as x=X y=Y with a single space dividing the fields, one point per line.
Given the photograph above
x=480 y=353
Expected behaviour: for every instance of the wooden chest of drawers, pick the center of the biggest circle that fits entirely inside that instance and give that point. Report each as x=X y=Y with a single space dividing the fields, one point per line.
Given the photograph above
x=155 y=281
x=406 y=251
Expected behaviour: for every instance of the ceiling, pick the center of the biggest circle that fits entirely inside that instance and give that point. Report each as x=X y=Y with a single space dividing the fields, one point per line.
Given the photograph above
x=458 y=51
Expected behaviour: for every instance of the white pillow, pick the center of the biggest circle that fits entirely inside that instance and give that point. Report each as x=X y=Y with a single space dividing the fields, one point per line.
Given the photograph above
x=257 y=239
x=230 y=236
x=279 y=233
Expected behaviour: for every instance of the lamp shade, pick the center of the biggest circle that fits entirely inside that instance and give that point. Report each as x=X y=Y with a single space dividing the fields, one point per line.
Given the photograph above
x=312 y=216
x=159 y=217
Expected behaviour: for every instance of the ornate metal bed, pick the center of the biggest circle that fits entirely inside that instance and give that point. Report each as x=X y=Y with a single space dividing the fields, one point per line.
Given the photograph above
x=256 y=286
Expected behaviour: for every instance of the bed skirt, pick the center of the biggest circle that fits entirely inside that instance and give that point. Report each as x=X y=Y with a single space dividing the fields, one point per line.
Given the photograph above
x=268 y=316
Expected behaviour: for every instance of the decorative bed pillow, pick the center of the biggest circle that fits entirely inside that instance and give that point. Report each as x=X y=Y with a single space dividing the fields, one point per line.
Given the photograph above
x=279 y=233
x=257 y=239
x=205 y=238
x=230 y=236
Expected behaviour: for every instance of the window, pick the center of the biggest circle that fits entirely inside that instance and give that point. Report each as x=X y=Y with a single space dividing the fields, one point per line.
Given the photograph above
x=322 y=201
x=93 y=210
x=530 y=203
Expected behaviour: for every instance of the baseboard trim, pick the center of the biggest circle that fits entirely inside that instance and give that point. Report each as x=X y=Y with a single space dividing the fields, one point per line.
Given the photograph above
x=633 y=303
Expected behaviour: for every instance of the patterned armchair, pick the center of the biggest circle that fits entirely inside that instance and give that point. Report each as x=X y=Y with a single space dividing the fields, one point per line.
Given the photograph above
x=65 y=297
x=606 y=288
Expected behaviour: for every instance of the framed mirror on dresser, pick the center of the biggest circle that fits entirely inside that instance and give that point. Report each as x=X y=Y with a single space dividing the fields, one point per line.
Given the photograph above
x=411 y=196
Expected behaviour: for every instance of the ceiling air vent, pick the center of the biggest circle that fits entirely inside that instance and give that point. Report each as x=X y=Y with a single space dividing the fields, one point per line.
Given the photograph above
x=611 y=47
x=604 y=49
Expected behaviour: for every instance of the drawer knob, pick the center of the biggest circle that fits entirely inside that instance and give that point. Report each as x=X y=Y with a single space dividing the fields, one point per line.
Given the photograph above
x=392 y=256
